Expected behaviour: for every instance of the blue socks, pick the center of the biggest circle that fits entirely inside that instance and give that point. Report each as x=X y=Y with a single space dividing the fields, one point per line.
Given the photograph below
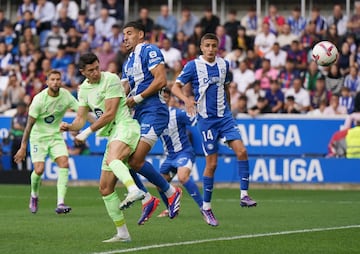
x=137 y=181
x=208 y=183
x=243 y=167
x=154 y=177
x=194 y=192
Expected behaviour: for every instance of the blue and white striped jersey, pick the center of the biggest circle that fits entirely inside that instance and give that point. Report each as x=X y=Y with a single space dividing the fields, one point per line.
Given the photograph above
x=208 y=80
x=174 y=137
x=137 y=71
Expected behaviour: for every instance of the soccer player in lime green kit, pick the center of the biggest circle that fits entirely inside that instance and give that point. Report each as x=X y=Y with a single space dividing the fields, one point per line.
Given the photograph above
x=103 y=93
x=45 y=115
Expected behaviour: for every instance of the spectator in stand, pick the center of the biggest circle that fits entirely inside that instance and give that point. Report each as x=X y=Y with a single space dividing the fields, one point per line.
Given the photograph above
x=319 y=94
x=167 y=21
x=27 y=5
x=64 y=21
x=146 y=20
x=3 y=22
x=171 y=55
x=105 y=55
x=120 y=58
x=243 y=41
x=209 y=21
x=113 y=67
x=264 y=40
x=32 y=40
x=157 y=36
x=298 y=55
x=104 y=23
x=252 y=23
x=116 y=10
x=23 y=58
x=71 y=80
x=309 y=37
x=287 y=75
x=275 y=20
x=320 y=110
x=352 y=80
x=354 y=23
x=350 y=39
x=181 y=43
x=54 y=39
x=191 y=53
x=253 y=60
x=45 y=69
x=290 y=106
x=231 y=27
x=6 y=60
x=196 y=36
x=277 y=57
x=14 y=92
x=82 y=23
x=44 y=14
x=266 y=74
x=234 y=58
x=71 y=7
x=334 y=80
x=234 y=94
x=225 y=41
x=92 y=38
x=92 y=9
x=73 y=42
x=311 y=76
x=26 y=21
x=332 y=35
x=61 y=59
x=240 y=107
x=83 y=48
x=28 y=79
x=346 y=99
x=253 y=93
x=261 y=107
x=187 y=22
x=334 y=107
x=301 y=95
x=296 y=22
x=345 y=57
x=18 y=123
x=275 y=97
x=320 y=21
x=116 y=37
x=243 y=77
x=10 y=38
x=285 y=37
x=339 y=20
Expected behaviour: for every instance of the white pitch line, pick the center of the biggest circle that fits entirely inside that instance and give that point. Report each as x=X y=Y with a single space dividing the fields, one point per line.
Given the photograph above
x=156 y=246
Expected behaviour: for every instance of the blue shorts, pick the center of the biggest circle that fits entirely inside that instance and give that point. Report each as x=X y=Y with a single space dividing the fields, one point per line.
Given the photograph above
x=214 y=130
x=153 y=123
x=182 y=159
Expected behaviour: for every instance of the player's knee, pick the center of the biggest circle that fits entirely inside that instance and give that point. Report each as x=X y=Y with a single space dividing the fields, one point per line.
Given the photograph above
x=39 y=170
x=183 y=178
x=136 y=164
x=105 y=190
x=241 y=154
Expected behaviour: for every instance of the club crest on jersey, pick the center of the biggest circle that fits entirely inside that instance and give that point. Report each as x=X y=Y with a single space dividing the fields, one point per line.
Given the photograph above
x=49 y=119
x=210 y=146
x=223 y=71
x=152 y=54
x=212 y=81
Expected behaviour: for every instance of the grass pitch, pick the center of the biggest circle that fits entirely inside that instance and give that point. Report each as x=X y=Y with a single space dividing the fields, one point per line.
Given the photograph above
x=285 y=221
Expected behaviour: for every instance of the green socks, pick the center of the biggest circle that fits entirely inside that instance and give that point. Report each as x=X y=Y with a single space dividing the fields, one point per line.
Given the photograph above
x=63 y=178
x=122 y=173
x=35 y=184
x=112 y=203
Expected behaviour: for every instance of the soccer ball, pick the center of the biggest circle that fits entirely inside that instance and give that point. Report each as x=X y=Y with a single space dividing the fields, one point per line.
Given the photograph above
x=325 y=53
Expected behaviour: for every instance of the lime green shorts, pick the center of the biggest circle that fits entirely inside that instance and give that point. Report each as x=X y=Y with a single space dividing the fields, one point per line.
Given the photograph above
x=128 y=133
x=54 y=148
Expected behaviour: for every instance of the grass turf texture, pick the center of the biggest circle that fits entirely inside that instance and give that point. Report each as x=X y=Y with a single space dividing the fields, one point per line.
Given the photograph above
x=88 y=224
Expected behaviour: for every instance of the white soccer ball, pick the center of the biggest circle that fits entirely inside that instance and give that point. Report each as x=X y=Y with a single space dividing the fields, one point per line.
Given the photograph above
x=325 y=53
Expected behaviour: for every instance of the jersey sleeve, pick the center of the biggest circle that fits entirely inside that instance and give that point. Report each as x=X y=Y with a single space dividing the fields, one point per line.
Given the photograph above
x=153 y=56
x=185 y=118
x=35 y=106
x=114 y=88
x=186 y=74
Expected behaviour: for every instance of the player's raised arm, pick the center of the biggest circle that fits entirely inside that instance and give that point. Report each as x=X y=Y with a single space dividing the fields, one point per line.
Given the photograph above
x=189 y=104
x=21 y=153
x=78 y=122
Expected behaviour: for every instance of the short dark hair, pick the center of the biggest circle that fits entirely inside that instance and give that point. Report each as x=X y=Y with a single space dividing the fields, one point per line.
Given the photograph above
x=135 y=24
x=53 y=71
x=209 y=36
x=87 y=58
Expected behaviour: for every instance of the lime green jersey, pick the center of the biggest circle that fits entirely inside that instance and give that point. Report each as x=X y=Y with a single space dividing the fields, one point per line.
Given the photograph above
x=49 y=112
x=94 y=96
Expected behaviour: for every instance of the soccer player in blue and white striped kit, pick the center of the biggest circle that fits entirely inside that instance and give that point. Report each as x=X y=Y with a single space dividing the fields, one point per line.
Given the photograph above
x=180 y=155
x=209 y=78
x=144 y=76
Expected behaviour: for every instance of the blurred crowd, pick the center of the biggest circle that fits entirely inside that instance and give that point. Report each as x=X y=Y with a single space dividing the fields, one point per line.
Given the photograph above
x=270 y=57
